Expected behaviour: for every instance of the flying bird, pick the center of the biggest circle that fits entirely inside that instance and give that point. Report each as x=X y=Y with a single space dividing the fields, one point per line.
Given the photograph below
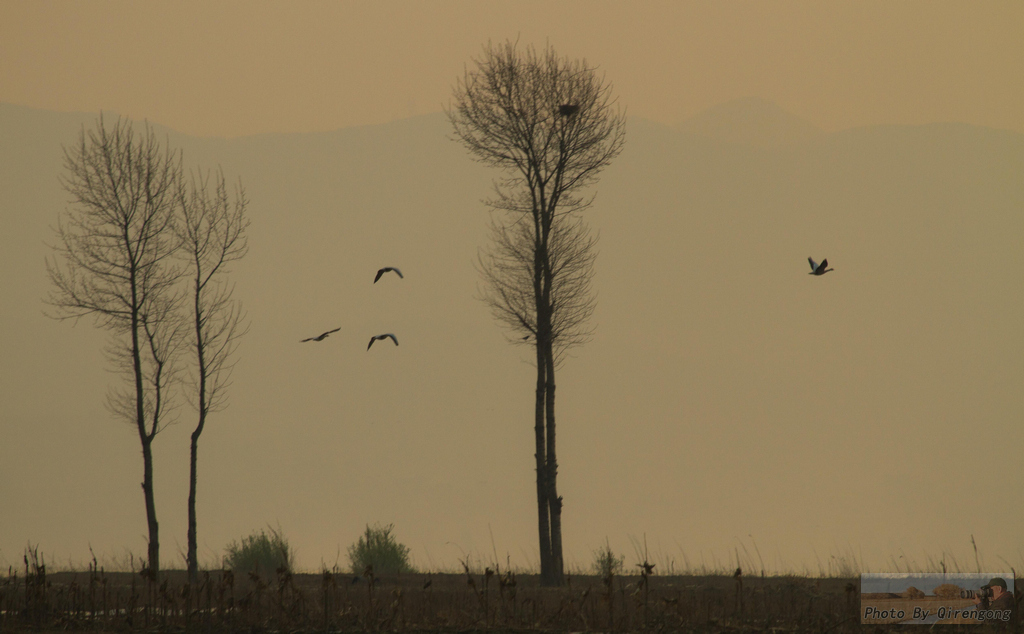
x=321 y=337
x=385 y=270
x=819 y=269
x=376 y=337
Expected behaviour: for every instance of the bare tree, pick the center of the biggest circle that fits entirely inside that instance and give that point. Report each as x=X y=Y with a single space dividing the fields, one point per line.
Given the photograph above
x=550 y=124
x=508 y=267
x=113 y=261
x=213 y=234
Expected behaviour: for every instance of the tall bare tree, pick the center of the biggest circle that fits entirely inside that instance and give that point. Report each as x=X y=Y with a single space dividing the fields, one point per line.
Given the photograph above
x=551 y=125
x=213 y=234
x=113 y=261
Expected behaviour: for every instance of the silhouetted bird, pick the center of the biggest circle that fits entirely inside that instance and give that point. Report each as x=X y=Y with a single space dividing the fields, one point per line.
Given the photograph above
x=567 y=110
x=385 y=270
x=321 y=337
x=375 y=338
x=818 y=269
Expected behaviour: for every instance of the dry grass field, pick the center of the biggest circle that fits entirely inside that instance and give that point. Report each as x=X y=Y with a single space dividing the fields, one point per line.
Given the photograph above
x=32 y=599
x=489 y=601
x=422 y=602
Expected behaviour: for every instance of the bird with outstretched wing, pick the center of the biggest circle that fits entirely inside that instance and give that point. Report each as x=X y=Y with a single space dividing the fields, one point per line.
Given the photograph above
x=385 y=336
x=387 y=269
x=819 y=269
x=320 y=337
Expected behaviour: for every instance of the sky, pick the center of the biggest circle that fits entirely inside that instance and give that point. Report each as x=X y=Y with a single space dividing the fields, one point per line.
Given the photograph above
x=239 y=68
x=228 y=70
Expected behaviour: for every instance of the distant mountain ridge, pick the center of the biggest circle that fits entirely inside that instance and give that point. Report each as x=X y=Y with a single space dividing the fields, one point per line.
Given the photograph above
x=751 y=121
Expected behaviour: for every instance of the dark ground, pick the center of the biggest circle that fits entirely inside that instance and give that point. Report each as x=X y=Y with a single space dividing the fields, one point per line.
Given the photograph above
x=221 y=602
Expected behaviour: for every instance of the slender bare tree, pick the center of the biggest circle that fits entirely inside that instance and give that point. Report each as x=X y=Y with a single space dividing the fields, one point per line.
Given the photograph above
x=551 y=125
x=113 y=261
x=213 y=235
x=212 y=229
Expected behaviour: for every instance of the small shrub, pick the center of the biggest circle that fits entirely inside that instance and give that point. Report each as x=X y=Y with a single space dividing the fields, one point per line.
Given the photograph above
x=606 y=562
x=948 y=591
x=913 y=593
x=378 y=547
x=261 y=553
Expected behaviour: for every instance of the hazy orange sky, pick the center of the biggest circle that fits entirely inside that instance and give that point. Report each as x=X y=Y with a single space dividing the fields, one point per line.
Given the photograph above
x=238 y=68
x=728 y=403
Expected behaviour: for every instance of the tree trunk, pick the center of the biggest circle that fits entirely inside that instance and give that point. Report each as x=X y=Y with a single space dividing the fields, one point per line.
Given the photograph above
x=554 y=500
x=192 y=557
x=145 y=438
x=545 y=344
x=154 y=529
x=193 y=563
x=543 y=526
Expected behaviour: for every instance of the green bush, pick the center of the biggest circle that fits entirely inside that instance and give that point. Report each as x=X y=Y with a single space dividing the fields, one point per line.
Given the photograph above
x=378 y=547
x=261 y=553
x=606 y=562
